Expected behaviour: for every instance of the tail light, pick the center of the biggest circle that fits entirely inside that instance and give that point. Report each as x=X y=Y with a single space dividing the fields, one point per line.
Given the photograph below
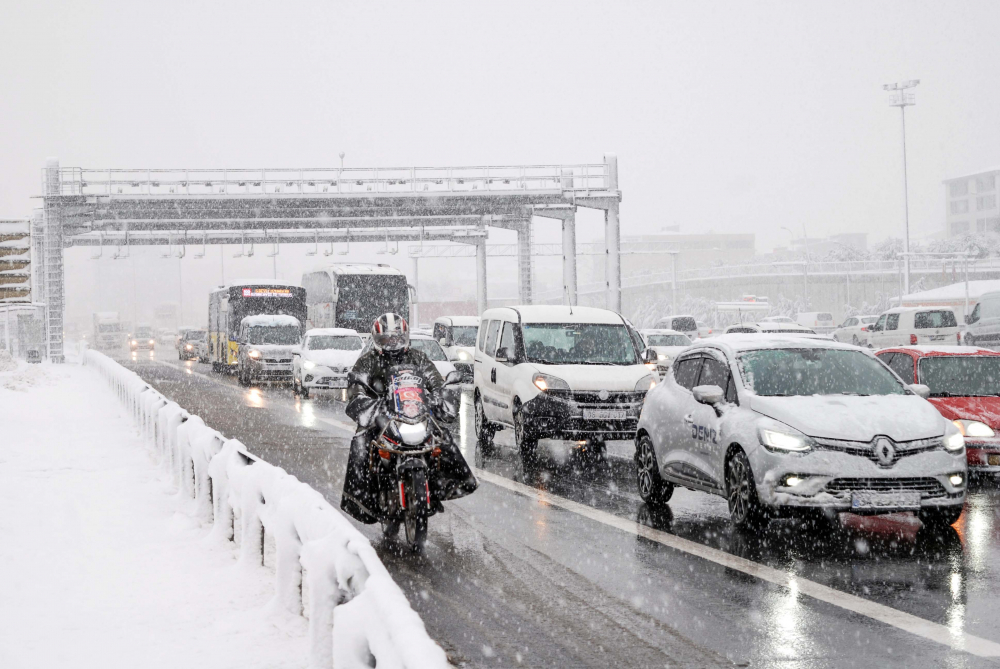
x=864 y=328
x=958 y=337
x=913 y=339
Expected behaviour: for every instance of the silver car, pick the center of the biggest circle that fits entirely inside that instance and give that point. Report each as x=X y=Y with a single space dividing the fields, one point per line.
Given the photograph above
x=782 y=425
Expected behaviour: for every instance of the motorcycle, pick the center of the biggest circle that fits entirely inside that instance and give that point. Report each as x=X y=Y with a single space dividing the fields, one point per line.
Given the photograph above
x=405 y=449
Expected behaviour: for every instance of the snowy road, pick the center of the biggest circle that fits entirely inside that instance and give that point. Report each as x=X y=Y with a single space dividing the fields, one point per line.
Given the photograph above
x=507 y=578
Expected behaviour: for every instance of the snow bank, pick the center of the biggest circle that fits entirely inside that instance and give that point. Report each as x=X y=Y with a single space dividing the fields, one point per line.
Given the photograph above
x=324 y=568
x=7 y=363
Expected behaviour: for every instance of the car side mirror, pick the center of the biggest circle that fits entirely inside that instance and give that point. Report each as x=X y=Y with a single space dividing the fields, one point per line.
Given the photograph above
x=443 y=341
x=968 y=319
x=920 y=389
x=453 y=378
x=710 y=395
x=649 y=356
x=502 y=354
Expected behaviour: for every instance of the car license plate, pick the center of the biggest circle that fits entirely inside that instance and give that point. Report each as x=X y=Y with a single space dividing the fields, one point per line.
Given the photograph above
x=937 y=337
x=993 y=460
x=885 y=500
x=605 y=414
x=338 y=383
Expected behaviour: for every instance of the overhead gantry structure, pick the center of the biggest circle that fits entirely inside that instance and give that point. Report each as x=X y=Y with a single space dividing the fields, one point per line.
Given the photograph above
x=121 y=208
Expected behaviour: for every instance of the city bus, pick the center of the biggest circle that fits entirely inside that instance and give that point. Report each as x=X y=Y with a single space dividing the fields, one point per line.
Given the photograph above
x=229 y=305
x=349 y=295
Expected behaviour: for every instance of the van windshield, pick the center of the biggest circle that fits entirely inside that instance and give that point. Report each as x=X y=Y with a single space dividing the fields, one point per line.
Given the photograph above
x=934 y=319
x=578 y=344
x=280 y=334
x=683 y=324
x=334 y=343
x=464 y=335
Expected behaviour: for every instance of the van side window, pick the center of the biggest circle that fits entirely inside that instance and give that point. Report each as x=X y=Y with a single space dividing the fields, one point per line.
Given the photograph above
x=686 y=371
x=879 y=324
x=439 y=331
x=483 y=329
x=507 y=342
x=974 y=316
x=491 y=338
x=892 y=322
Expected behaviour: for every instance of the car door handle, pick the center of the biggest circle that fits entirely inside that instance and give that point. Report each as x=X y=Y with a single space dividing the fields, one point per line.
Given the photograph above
x=493 y=375
x=689 y=418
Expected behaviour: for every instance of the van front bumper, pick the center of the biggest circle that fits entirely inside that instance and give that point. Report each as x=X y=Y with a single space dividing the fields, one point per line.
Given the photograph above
x=583 y=415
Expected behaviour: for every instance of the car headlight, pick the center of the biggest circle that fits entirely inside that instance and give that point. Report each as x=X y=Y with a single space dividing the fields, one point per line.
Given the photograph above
x=255 y=354
x=190 y=347
x=548 y=382
x=646 y=383
x=135 y=343
x=662 y=356
x=784 y=439
x=464 y=355
x=151 y=341
x=953 y=439
x=974 y=428
x=414 y=434
x=308 y=364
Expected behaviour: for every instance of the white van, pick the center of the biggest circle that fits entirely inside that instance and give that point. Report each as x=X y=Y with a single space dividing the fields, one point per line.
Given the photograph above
x=684 y=324
x=909 y=326
x=820 y=321
x=457 y=336
x=559 y=372
x=984 y=322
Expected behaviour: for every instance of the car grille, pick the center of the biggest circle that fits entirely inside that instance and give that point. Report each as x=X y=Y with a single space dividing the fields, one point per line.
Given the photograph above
x=593 y=397
x=277 y=361
x=867 y=449
x=925 y=485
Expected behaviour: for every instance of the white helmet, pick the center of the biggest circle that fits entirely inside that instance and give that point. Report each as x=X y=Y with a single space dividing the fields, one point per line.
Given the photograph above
x=390 y=333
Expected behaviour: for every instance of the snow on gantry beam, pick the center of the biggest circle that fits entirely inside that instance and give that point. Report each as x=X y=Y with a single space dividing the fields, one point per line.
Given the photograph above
x=261 y=236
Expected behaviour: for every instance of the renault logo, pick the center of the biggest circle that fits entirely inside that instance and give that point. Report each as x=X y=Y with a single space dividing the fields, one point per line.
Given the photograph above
x=885 y=451
x=603 y=395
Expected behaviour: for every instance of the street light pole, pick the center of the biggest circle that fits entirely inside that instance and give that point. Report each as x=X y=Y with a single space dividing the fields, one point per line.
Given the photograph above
x=900 y=98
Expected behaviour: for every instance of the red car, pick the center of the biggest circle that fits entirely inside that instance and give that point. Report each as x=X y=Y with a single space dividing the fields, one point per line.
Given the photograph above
x=965 y=387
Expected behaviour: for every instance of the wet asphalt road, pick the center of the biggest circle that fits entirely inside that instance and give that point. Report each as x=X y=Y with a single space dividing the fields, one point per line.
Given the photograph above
x=507 y=580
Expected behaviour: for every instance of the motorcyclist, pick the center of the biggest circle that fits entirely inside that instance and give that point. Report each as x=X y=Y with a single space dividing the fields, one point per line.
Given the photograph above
x=390 y=352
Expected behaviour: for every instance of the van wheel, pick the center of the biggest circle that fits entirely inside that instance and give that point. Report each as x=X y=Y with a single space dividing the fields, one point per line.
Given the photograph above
x=527 y=443
x=484 y=428
x=654 y=491
x=745 y=508
x=242 y=378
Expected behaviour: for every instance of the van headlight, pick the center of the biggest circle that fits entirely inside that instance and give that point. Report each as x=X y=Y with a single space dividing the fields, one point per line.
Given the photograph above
x=548 y=382
x=412 y=434
x=954 y=442
x=974 y=428
x=783 y=439
x=254 y=353
x=308 y=364
x=645 y=384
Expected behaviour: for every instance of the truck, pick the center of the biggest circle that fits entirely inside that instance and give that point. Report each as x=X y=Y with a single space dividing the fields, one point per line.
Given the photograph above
x=109 y=335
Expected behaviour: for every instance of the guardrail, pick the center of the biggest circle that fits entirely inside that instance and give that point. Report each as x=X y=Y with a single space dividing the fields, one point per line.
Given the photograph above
x=324 y=568
x=318 y=181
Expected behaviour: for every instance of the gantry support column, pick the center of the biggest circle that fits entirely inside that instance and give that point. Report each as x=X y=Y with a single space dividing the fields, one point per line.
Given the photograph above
x=524 y=262
x=612 y=241
x=566 y=214
x=415 y=304
x=55 y=278
x=481 y=276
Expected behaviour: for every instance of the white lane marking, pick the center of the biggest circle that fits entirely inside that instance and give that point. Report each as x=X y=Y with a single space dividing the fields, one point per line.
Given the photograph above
x=885 y=614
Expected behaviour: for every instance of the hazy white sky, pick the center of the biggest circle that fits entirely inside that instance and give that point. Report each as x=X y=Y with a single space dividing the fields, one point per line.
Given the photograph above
x=726 y=116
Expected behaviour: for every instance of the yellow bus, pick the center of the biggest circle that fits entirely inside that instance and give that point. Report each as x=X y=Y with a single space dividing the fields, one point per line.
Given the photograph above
x=229 y=305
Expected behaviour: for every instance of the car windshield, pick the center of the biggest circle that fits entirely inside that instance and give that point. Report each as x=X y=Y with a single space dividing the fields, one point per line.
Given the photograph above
x=430 y=348
x=333 y=343
x=961 y=375
x=578 y=344
x=782 y=372
x=464 y=335
x=934 y=319
x=273 y=334
x=684 y=324
x=196 y=336
x=669 y=340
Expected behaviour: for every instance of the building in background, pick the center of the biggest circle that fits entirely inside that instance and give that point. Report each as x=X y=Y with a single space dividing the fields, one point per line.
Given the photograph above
x=15 y=262
x=970 y=204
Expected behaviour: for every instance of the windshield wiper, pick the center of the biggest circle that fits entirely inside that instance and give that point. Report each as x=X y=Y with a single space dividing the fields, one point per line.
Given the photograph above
x=856 y=394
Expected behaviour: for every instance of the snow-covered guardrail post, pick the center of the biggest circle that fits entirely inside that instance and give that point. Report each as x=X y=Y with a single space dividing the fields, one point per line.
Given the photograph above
x=324 y=568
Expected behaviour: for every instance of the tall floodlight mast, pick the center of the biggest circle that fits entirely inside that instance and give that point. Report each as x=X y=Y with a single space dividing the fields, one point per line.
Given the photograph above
x=900 y=98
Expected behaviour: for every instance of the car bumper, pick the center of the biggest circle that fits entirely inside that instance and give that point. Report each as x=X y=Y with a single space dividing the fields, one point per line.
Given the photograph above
x=323 y=378
x=983 y=455
x=560 y=418
x=271 y=370
x=844 y=482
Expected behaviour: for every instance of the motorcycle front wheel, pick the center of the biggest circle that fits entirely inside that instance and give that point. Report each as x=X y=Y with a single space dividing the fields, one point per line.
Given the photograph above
x=415 y=514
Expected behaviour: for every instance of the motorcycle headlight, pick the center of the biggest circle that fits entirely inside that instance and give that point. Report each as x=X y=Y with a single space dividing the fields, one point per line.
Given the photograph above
x=974 y=428
x=308 y=364
x=255 y=354
x=954 y=442
x=413 y=434
x=647 y=382
x=783 y=439
x=548 y=382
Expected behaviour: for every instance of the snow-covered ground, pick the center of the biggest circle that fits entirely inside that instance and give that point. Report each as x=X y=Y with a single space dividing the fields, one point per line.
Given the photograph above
x=99 y=566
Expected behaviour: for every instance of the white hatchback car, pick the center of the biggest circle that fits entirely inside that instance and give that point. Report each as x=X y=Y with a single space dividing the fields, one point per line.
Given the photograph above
x=789 y=425
x=910 y=326
x=854 y=330
x=558 y=372
x=324 y=359
x=668 y=344
x=457 y=336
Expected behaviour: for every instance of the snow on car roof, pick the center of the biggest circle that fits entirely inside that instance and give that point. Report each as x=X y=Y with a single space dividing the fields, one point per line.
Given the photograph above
x=270 y=320
x=737 y=342
x=458 y=320
x=661 y=331
x=926 y=307
x=332 y=332
x=942 y=350
x=551 y=313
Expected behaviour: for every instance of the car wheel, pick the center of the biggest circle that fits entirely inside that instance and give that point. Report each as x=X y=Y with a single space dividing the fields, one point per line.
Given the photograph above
x=303 y=392
x=527 y=443
x=744 y=507
x=940 y=518
x=652 y=488
x=242 y=377
x=485 y=430
x=836 y=338
x=855 y=340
